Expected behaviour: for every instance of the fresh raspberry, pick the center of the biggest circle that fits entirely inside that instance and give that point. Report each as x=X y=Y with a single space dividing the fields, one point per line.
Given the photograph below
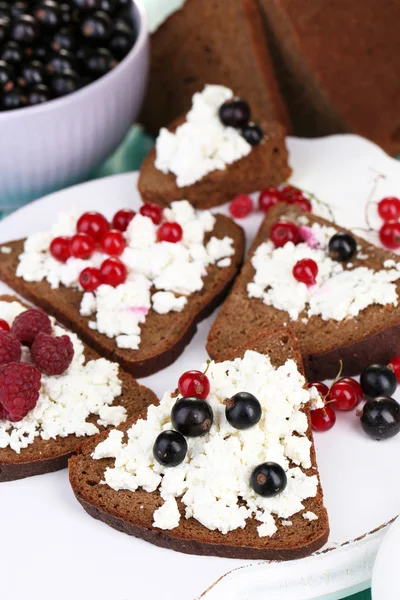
x=19 y=390
x=28 y=324
x=10 y=348
x=52 y=355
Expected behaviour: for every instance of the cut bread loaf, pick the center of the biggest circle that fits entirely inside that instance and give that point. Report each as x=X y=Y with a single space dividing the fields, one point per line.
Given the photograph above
x=163 y=336
x=45 y=456
x=373 y=336
x=210 y=41
x=329 y=57
x=132 y=512
x=266 y=165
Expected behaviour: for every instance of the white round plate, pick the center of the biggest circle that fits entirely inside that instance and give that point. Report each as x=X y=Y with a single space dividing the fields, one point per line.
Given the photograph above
x=385 y=576
x=51 y=548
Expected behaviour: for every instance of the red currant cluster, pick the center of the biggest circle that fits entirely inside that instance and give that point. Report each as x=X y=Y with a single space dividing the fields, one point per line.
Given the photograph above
x=380 y=416
x=94 y=232
x=389 y=211
x=242 y=205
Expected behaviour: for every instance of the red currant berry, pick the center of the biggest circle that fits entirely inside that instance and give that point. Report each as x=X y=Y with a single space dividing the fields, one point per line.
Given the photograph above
x=122 y=218
x=345 y=394
x=321 y=387
x=153 y=211
x=60 y=248
x=93 y=224
x=81 y=246
x=170 y=232
x=389 y=235
x=241 y=206
x=389 y=208
x=303 y=203
x=113 y=272
x=283 y=232
x=291 y=193
x=194 y=383
x=113 y=243
x=269 y=197
x=90 y=279
x=394 y=364
x=306 y=271
x=4 y=326
x=323 y=419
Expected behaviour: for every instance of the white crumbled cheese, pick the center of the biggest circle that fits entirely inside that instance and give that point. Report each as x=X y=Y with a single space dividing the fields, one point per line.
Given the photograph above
x=315 y=399
x=217 y=467
x=65 y=401
x=165 y=302
x=286 y=523
x=338 y=293
x=167 y=516
x=159 y=274
x=5 y=249
x=310 y=516
x=202 y=144
x=224 y=262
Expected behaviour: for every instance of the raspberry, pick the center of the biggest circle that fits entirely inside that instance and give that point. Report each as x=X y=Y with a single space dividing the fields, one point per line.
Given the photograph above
x=52 y=355
x=19 y=390
x=28 y=324
x=10 y=348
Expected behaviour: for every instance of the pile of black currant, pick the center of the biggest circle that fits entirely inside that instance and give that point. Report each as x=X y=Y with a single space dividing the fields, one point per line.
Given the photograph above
x=50 y=48
x=236 y=113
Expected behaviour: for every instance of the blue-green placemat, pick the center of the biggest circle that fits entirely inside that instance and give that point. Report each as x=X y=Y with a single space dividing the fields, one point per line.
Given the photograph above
x=128 y=157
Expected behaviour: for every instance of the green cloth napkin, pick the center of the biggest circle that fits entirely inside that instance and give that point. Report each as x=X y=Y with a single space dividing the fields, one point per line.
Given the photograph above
x=128 y=157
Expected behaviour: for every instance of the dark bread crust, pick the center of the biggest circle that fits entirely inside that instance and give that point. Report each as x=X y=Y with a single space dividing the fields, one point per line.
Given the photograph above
x=46 y=456
x=211 y=41
x=266 y=165
x=132 y=512
x=328 y=63
x=371 y=337
x=164 y=337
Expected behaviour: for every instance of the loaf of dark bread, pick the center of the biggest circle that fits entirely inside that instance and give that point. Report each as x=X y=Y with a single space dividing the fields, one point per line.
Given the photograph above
x=163 y=337
x=337 y=63
x=46 y=456
x=371 y=337
x=266 y=165
x=132 y=512
x=210 y=41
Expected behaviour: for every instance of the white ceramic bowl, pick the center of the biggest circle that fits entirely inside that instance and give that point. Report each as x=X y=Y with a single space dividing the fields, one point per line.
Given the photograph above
x=47 y=147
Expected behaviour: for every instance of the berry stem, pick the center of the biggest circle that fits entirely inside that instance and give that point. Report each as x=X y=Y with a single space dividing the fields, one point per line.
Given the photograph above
x=317 y=200
x=377 y=179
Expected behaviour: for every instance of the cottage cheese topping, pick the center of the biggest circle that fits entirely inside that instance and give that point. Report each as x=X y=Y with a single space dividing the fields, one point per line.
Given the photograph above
x=217 y=468
x=160 y=274
x=203 y=143
x=67 y=400
x=338 y=293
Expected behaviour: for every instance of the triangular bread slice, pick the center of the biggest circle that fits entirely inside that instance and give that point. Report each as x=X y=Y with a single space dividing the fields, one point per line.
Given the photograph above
x=46 y=456
x=266 y=165
x=373 y=336
x=207 y=41
x=163 y=337
x=121 y=509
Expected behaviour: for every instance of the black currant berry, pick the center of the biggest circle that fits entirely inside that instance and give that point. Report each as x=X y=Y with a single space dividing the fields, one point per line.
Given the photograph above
x=192 y=417
x=38 y=95
x=252 y=134
x=243 y=410
x=97 y=27
x=170 y=448
x=48 y=14
x=268 y=479
x=235 y=113
x=378 y=380
x=24 y=30
x=65 y=83
x=380 y=418
x=342 y=247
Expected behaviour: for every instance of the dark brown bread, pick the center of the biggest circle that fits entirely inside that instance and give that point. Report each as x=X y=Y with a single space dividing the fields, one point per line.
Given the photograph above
x=46 y=456
x=211 y=41
x=132 y=512
x=371 y=337
x=338 y=64
x=266 y=165
x=163 y=337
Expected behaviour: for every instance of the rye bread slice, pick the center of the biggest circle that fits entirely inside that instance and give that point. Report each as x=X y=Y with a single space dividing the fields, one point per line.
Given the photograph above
x=46 y=456
x=371 y=337
x=329 y=57
x=132 y=512
x=266 y=165
x=210 y=41
x=163 y=337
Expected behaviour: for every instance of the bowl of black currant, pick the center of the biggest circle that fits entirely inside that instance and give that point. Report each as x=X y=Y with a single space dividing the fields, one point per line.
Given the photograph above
x=72 y=79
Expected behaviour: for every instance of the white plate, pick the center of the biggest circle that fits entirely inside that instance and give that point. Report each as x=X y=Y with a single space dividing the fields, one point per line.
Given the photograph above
x=385 y=576
x=51 y=548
